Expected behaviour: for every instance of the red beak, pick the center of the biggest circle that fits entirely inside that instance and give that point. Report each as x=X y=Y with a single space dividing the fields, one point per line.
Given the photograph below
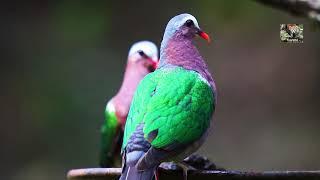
x=204 y=36
x=154 y=64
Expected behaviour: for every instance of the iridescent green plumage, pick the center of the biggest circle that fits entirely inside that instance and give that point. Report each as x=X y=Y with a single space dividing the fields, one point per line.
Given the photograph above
x=170 y=100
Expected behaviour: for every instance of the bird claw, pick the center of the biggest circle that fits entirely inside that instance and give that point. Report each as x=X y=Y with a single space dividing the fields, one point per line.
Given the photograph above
x=185 y=168
x=199 y=162
x=193 y=162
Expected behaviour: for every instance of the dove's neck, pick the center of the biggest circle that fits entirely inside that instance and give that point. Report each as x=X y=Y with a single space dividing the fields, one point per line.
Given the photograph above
x=180 y=51
x=135 y=72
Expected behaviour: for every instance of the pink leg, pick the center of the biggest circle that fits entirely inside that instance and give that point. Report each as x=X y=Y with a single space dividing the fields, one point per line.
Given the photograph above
x=156 y=174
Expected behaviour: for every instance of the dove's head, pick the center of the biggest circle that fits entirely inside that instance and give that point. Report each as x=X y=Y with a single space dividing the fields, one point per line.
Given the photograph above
x=145 y=54
x=184 y=27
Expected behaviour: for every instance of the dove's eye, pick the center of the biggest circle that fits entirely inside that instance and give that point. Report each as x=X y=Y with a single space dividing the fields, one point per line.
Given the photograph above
x=141 y=53
x=189 y=23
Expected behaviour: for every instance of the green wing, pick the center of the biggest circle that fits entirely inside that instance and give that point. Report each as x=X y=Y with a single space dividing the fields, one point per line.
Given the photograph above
x=108 y=135
x=175 y=102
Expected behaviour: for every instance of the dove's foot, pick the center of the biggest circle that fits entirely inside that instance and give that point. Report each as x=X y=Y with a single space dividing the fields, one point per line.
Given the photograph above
x=201 y=163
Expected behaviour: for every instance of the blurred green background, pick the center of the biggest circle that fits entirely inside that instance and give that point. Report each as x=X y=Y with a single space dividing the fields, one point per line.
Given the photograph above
x=62 y=60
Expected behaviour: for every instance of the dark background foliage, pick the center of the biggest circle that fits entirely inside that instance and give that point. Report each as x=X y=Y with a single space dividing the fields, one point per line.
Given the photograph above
x=62 y=60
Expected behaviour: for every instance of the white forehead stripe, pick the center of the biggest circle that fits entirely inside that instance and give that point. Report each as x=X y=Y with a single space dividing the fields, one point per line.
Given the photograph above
x=149 y=48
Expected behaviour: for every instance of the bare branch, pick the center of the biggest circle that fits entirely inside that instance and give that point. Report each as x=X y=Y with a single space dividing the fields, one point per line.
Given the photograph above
x=94 y=173
x=113 y=173
x=306 y=8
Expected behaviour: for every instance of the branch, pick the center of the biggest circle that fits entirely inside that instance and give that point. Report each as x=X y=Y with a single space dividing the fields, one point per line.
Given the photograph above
x=306 y=8
x=94 y=173
x=113 y=173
